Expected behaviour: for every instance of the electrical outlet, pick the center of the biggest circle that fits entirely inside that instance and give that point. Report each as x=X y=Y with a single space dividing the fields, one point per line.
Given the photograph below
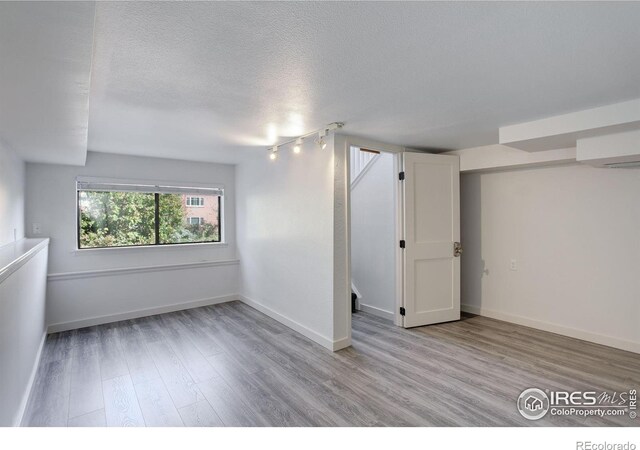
x=35 y=228
x=513 y=265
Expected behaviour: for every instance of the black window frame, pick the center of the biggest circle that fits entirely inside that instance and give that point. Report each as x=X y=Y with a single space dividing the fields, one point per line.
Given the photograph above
x=157 y=242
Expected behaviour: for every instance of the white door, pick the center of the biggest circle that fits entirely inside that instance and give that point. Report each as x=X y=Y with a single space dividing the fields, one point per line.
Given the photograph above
x=431 y=234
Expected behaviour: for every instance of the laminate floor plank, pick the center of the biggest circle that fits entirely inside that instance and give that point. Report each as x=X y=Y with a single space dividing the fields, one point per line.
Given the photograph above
x=121 y=403
x=112 y=360
x=229 y=407
x=547 y=356
x=58 y=346
x=86 y=381
x=247 y=351
x=141 y=366
x=148 y=328
x=92 y=419
x=458 y=361
x=343 y=412
x=439 y=398
x=230 y=365
x=193 y=360
x=48 y=405
x=280 y=351
x=300 y=399
x=156 y=404
x=181 y=387
x=568 y=375
x=198 y=332
x=87 y=338
x=200 y=414
x=259 y=322
x=452 y=375
x=250 y=389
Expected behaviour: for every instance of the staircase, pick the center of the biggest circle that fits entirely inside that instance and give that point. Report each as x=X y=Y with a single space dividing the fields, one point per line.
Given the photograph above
x=361 y=161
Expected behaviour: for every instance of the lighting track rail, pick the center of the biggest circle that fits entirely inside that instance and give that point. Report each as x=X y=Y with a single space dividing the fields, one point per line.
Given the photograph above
x=321 y=133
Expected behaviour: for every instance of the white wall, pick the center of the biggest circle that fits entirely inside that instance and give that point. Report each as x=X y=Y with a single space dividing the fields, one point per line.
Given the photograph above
x=285 y=214
x=373 y=237
x=87 y=287
x=22 y=324
x=12 y=179
x=574 y=232
x=22 y=295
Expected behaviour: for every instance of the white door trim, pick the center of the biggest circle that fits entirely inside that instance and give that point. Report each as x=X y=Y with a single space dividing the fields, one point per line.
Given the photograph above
x=346 y=142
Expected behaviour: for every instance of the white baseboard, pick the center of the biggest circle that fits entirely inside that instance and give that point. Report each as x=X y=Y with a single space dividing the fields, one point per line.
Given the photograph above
x=296 y=326
x=341 y=343
x=384 y=314
x=555 y=328
x=140 y=313
x=27 y=392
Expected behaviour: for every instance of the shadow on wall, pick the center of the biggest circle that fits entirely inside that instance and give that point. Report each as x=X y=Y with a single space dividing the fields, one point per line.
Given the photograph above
x=473 y=267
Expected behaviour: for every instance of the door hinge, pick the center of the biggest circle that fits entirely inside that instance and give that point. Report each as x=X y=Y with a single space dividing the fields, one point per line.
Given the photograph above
x=457 y=249
x=402 y=311
x=401 y=176
x=402 y=244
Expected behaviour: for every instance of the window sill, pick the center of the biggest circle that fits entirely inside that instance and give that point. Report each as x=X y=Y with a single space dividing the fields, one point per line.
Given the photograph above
x=83 y=251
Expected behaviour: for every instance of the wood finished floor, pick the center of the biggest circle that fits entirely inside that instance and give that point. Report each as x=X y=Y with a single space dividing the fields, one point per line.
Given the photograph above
x=230 y=365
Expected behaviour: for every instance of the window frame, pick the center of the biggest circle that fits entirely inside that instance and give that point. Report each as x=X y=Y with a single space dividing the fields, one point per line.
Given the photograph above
x=156 y=244
x=200 y=220
x=189 y=202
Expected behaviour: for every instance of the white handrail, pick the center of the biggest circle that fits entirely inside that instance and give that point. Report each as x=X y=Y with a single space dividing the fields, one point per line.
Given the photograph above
x=15 y=254
x=359 y=162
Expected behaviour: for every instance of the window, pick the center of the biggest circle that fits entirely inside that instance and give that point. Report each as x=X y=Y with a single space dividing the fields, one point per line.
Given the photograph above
x=196 y=202
x=195 y=220
x=127 y=215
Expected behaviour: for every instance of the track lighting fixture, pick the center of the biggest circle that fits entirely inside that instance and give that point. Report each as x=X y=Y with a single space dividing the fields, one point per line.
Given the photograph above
x=320 y=141
x=297 y=147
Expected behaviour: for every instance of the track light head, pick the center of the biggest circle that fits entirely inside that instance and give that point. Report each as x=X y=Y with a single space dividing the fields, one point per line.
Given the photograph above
x=320 y=141
x=298 y=145
x=274 y=153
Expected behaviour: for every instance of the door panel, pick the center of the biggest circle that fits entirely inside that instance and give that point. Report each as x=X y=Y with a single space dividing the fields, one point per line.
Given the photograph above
x=433 y=184
x=432 y=226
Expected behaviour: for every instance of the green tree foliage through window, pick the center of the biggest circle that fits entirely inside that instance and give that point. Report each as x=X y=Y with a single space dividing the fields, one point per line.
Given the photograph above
x=175 y=227
x=172 y=217
x=119 y=219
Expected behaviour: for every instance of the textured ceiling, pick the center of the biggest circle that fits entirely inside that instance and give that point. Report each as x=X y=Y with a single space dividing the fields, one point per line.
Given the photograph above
x=214 y=81
x=45 y=66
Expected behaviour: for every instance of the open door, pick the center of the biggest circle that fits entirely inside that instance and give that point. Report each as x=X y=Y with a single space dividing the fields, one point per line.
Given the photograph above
x=431 y=193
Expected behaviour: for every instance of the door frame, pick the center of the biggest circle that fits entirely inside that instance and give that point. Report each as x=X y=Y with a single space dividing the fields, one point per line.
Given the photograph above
x=343 y=144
